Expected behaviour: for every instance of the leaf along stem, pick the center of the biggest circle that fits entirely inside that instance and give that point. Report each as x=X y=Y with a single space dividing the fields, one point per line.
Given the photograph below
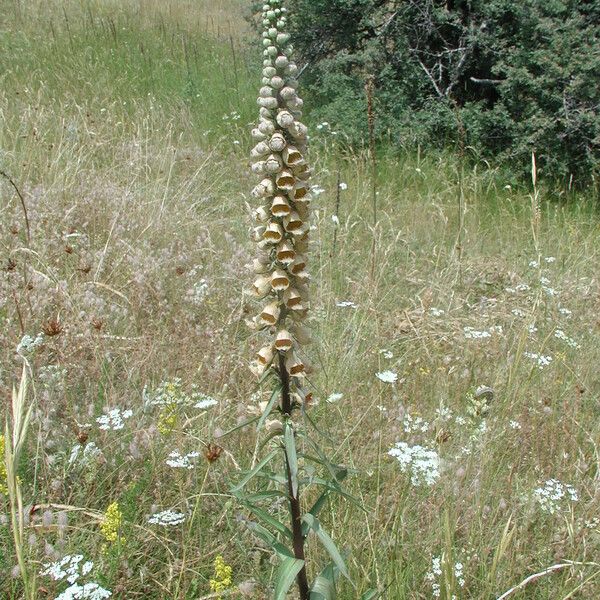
x=296 y=517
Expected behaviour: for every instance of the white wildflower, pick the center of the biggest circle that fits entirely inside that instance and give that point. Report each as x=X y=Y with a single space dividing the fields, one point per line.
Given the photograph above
x=436 y=312
x=387 y=376
x=114 y=419
x=542 y=361
x=343 y=186
x=422 y=464
x=28 y=344
x=334 y=397
x=166 y=518
x=414 y=424
x=554 y=495
x=179 y=461
x=345 y=304
x=561 y=335
x=472 y=334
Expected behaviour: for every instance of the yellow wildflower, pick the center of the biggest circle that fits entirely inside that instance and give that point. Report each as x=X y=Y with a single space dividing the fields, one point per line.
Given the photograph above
x=222 y=580
x=111 y=525
x=3 y=488
x=167 y=419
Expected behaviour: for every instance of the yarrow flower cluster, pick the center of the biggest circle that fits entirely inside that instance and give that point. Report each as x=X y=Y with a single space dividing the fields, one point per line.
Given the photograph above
x=387 y=376
x=70 y=569
x=114 y=419
x=422 y=464
x=167 y=518
x=29 y=344
x=541 y=360
x=179 y=461
x=553 y=496
x=435 y=575
x=282 y=215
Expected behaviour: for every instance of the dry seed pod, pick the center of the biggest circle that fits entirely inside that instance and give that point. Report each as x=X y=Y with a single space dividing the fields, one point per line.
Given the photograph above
x=285 y=180
x=293 y=365
x=291 y=156
x=303 y=209
x=267 y=102
x=270 y=314
x=261 y=149
x=277 y=142
x=280 y=207
x=263 y=189
x=298 y=265
x=301 y=333
x=273 y=233
x=280 y=281
x=285 y=253
x=258 y=233
x=261 y=286
x=261 y=214
x=284 y=119
x=287 y=93
x=292 y=298
x=281 y=62
x=258 y=135
x=273 y=164
x=293 y=223
x=258 y=167
x=283 y=341
x=266 y=127
x=300 y=191
x=265 y=355
x=277 y=82
x=258 y=266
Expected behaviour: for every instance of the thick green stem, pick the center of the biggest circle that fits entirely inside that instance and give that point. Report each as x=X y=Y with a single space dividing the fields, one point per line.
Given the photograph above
x=296 y=516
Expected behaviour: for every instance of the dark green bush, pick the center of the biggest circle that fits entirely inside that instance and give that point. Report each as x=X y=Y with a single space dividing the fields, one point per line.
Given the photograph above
x=521 y=76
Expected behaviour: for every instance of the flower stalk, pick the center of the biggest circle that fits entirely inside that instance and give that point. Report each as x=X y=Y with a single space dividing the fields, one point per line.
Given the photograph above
x=281 y=234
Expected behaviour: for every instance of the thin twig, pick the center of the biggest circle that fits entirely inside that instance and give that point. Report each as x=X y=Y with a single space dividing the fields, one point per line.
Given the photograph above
x=10 y=180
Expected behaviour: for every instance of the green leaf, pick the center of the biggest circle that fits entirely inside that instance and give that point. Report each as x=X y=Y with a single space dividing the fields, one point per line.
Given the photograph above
x=292 y=459
x=323 y=587
x=328 y=543
x=265 y=517
x=370 y=595
x=254 y=471
x=315 y=509
x=266 y=495
x=269 y=407
x=289 y=568
x=244 y=424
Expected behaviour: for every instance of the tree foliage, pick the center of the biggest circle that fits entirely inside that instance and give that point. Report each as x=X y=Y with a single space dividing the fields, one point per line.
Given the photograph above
x=513 y=76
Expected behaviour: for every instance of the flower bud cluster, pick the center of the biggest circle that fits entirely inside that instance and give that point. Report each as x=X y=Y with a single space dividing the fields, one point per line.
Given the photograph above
x=282 y=215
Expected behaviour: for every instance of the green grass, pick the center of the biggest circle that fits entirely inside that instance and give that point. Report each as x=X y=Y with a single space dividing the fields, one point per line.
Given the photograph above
x=136 y=187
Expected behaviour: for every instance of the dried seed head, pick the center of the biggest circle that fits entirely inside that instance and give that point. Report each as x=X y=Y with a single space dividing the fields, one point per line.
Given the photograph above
x=280 y=281
x=280 y=207
x=283 y=341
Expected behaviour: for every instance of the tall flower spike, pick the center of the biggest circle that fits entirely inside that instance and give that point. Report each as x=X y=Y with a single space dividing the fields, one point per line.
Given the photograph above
x=282 y=197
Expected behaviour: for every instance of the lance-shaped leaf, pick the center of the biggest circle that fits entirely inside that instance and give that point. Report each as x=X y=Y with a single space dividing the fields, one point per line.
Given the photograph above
x=292 y=458
x=263 y=463
x=286 y=574
x=328 y=543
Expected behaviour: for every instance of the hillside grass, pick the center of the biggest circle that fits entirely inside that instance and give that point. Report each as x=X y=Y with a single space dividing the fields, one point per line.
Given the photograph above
x=125 y=126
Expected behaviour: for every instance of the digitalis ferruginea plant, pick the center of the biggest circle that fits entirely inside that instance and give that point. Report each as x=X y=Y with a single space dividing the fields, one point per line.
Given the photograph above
x=281 y=211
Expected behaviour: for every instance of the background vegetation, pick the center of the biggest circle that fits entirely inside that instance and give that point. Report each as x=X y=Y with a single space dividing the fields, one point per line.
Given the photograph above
x=125 y=126
x=505 y=78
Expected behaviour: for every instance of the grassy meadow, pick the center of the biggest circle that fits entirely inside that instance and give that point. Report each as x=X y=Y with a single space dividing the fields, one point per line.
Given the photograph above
x=124 y=125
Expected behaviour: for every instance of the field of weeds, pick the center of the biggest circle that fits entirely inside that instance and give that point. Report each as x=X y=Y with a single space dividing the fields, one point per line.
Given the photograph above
x=459 y=331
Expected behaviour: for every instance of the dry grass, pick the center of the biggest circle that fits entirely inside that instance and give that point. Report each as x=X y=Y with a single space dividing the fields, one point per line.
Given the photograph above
x=136 y=192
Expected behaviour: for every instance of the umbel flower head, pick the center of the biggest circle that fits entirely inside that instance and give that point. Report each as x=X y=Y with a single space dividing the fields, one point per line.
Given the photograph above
x=282 y=209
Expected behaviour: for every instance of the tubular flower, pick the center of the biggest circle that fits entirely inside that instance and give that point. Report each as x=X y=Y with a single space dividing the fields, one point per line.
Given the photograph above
x=282 y=209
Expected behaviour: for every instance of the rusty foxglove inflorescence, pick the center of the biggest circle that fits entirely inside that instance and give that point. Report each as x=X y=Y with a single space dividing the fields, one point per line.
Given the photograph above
x=281 y=215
